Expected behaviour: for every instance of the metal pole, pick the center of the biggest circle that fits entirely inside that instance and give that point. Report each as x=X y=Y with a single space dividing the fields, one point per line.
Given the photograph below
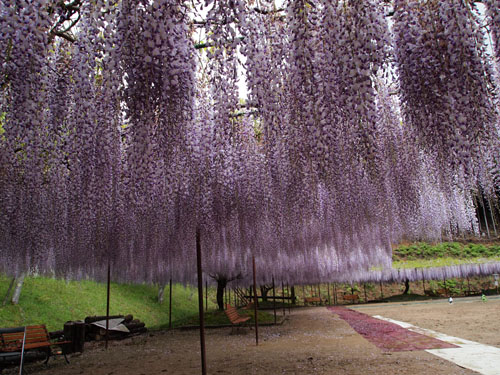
x=107 y=304
x=22 y=353
x=170 y=305
x=274 y=301
x=255 y=303
x=200 y=303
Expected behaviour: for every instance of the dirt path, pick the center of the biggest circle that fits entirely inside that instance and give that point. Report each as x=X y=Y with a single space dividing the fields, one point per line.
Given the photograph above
x=312 y=341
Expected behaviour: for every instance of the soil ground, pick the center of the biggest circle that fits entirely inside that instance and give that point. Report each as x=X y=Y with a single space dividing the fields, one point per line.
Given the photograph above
x=311 y=341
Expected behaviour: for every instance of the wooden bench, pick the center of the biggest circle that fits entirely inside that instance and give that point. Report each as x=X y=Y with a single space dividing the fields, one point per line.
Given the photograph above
x=35 y=337
x=9 y=351
x=308 y=300
x=236 y=319
x=351 y=297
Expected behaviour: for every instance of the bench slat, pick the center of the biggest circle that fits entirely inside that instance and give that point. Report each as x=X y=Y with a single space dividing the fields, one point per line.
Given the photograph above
x=233 y=315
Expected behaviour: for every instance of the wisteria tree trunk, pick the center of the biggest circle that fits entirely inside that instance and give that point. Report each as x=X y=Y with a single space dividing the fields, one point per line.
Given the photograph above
x=17 y=291
x=264 y=289
x=161 y=292
x=6 y=299
x=221 y=285
x=407 y=286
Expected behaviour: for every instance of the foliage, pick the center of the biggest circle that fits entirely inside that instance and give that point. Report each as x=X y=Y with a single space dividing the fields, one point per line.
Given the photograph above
x=317 y=191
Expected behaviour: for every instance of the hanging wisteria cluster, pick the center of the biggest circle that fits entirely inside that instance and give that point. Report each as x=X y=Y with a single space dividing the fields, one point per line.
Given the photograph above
x=121 y=135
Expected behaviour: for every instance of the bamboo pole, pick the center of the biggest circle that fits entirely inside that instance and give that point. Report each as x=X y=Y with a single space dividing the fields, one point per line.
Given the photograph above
x=107 y=303
x=200 y=303
x=255 y=302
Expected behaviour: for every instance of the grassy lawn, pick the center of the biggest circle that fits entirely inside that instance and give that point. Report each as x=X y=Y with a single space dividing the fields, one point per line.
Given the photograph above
x=53 y=302
x=219 y=318
x=440 y=262
x=458 y=250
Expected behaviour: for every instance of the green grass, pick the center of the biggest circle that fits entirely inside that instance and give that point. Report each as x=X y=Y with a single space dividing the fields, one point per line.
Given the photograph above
x=422 y=250
x=440 y=262
x=53 y=302
x=219 y=318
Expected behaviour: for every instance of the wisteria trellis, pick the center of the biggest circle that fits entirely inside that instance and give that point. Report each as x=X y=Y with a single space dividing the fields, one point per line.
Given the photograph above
x=119 y=138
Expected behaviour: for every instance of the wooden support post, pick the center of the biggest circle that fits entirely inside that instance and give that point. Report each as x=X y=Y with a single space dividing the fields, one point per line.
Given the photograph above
x=200 y=303
x=283 y=295
x=381 y=291
x=334 y=294
x=423 y=285
x=364 y=288
x=468 y=284
x=274 y=301
x=107 y=303
x=170 y=305
x=319 y=292
x=445 y=287
x=255 y=302
x=206 y=295
x=288 y=295
x=328 y=289
x=303 y=294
